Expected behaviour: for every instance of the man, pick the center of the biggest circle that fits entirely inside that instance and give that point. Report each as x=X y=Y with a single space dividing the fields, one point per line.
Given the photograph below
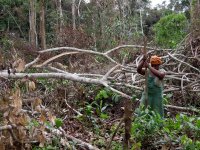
x=155 y=83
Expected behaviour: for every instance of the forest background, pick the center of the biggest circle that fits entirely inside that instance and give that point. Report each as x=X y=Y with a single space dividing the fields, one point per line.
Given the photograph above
x=69 y=80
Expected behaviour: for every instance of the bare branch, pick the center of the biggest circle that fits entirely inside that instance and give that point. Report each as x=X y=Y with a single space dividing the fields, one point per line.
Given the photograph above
x=78 y=113
x=33 y=62
x=55 y=57
x=109 y=72
x=7 y=127
x=183 y=62
x=183 y=108
x=80 y=142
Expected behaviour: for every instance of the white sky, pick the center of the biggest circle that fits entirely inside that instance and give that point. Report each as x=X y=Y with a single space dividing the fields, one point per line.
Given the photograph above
x=153 y=2
x=156 y=2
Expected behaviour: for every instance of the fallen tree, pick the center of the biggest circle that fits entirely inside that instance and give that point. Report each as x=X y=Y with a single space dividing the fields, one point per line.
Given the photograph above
x=181 y=74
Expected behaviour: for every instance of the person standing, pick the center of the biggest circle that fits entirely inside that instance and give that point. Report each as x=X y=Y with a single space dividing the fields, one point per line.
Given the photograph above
x=155 y=83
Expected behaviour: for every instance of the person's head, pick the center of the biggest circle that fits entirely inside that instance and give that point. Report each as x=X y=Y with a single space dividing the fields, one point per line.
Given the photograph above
x=155 y=62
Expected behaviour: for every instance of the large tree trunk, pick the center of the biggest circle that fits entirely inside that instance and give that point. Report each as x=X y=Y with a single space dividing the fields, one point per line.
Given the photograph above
x=73 y=14
x=127 y=120
x=32 y=23
x=121 y=6
x=42 y=24
x=60 y=21
x=195 y=31
x=132 y=7
x=195 y=18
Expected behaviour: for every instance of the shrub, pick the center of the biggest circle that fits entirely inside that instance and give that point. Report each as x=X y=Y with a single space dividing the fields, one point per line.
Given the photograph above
x=170 y=30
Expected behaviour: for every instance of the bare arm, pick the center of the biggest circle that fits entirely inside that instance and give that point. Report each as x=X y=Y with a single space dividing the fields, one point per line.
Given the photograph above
x=143 y=63
x=157 y=73
x=140 y=69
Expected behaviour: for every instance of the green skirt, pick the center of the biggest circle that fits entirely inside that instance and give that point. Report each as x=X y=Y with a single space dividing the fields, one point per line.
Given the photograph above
x=155 y=96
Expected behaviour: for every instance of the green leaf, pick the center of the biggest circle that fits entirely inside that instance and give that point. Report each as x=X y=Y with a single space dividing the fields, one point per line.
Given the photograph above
x=58 y=122
x=104 y=116
x=166 y=130
x=104 y=94
x=198 y=123
x=169 y=95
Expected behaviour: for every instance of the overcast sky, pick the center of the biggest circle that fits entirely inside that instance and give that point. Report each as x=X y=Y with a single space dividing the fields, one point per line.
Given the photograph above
x=153 y=2
x=156 y=2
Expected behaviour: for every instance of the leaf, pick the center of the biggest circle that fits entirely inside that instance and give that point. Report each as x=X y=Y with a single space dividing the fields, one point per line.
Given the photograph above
x=22 y=133
x=31 y=86
x=4 y=102
x=11 y=140
x=104 y=93
x=64 y=142
x=19 y=65
x=169 y=95
x=198 y=123
x=58 y=122
x=38 y=109
x=51 y=118
x=41 y=139
x=165 y=147
x=104 y=108
x=36 y=102
x=17 y=101
x=42 y=118
x=23 y=120
x=6 y=114
x=104 y=116
x=166 y=129
x=2 y=145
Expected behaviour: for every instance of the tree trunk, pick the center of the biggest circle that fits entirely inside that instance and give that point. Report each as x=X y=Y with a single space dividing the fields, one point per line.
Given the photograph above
x=127 y=121
x=42 y=24
x=60 y=22
x=32 y=23
x=195 y=31
x=132 y=7
x=73 y=15
x=121 y=16
x=195 y=18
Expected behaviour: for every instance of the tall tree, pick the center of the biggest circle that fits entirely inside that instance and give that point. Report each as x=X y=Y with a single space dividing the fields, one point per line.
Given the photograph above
x=74 y=14
x=42 y=24
x=195 y=31
x=32 y=23
x=59 y=20
x=60 y=12
x=195 y=18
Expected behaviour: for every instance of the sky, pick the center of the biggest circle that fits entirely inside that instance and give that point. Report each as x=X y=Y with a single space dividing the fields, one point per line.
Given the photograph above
x=153 y=2
x=156 y=2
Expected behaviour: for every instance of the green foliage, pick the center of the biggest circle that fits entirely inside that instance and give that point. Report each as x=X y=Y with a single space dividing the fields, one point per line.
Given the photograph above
x=166 y=98
x=88 y=110
x=107 y=94
x=146 y=125
x=102 y=101
x=100 y=142
x=99 y=108
x=170 y=30
x=189 y=144
x=182 y=130
x=116 y=97
x=6 y=43
x=103 y=94
x=116 y=146
x=58 y=122
x=33 y=123
x=54 y=145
